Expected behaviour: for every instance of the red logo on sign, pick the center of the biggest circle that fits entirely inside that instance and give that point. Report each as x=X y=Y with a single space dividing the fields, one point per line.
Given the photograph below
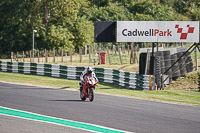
x=184 y=35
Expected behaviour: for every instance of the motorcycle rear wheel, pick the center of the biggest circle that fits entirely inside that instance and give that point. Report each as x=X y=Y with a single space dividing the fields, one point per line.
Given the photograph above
x=91 y=94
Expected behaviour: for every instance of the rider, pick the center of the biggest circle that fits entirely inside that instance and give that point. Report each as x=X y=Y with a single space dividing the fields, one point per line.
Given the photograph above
x=86 y=72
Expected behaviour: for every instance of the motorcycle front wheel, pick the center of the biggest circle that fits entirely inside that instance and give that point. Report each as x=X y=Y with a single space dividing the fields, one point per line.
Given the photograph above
x=83 y=98
x=91 y=94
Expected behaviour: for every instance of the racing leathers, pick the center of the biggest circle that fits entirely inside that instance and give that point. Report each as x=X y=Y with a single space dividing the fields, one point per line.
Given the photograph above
x=83 y=76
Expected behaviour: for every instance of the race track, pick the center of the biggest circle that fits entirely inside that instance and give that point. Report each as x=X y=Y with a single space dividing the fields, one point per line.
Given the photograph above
x=123 y=113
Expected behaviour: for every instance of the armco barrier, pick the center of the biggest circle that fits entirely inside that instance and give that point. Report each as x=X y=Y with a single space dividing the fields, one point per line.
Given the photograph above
x=112 y=76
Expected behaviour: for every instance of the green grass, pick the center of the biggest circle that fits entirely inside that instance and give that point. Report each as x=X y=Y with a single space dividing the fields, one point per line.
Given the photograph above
x=177 y=96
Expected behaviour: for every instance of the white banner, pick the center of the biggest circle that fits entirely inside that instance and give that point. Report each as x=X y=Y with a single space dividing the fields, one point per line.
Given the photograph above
x=157 y=31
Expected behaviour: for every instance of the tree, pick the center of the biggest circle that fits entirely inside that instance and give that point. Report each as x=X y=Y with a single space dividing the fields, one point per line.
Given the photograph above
x=152 y=11
x=69 y=23
x=84 y=32
x=112 y=12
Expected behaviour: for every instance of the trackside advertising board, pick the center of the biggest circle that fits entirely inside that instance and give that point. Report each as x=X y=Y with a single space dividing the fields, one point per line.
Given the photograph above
x=157 y=31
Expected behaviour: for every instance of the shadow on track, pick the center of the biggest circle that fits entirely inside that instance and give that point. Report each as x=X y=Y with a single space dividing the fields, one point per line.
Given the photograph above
x=67 y=101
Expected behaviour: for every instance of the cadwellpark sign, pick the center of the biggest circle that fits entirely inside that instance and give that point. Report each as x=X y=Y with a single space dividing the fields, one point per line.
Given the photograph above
x=157 y=31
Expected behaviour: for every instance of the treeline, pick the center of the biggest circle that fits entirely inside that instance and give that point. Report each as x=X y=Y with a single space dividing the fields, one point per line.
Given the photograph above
x=69 y=23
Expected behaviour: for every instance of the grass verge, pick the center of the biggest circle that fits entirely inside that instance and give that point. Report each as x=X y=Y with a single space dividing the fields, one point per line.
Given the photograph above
x=177 y=96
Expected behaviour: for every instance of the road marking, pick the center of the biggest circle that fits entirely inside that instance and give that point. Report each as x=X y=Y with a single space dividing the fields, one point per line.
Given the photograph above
x=58 y=121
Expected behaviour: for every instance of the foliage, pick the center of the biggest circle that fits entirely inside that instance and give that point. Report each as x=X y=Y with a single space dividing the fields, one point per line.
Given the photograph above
x=83 y=32
x=155 y=12
x=112 y=12
x=69 y=23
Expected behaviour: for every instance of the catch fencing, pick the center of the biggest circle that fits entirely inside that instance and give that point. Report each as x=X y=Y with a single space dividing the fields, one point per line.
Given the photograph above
x=130 y=80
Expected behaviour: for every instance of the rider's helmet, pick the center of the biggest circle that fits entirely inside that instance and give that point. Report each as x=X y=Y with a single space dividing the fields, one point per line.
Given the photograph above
x=89 y=70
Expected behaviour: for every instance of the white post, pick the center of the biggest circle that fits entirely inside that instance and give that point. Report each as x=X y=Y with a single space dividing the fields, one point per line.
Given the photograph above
x=34 y=31
x=147 y=61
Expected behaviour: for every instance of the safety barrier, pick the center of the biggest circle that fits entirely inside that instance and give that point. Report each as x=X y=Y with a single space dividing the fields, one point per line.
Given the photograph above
x=112 y=76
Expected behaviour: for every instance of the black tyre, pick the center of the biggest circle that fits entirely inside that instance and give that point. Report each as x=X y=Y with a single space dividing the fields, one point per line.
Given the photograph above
x=188 y=58
x=189 y=67
x=162 y=64
x=159 y=53
x=158 y=71
x=166 y=53
x=175 y=69
x=182 y=65
x=91 y=94
x=83 y=98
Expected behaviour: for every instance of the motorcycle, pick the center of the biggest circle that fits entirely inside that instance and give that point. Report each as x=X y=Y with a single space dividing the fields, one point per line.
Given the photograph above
x=87 y=91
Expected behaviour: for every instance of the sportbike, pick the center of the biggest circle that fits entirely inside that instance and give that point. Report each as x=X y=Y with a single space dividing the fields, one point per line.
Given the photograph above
x=87 y=91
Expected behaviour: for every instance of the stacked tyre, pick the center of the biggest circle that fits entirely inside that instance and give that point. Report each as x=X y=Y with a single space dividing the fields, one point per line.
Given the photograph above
x=175 y=68
x=162 y=62
x=167 y=62
x=157 y=71
x=189 y=63
x=182 y=64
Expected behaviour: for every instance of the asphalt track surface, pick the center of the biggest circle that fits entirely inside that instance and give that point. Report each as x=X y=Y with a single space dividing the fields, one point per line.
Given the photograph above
x=123 y=113
x=16 y=125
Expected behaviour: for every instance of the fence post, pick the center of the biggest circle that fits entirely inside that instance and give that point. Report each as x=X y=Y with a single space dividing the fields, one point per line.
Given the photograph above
x=70 y=54
x=89 y=56
x=131 y=53
x=99 y=56
x=54 y=54
x=11 y=56
x=46 y=56
x=136 y=54
x=124 y=49
x=115 y=49
x=108 y=56
x=30 y=55
x=23 y=56
x=119 y=50
x=41 y=56
x=38 y=56
x=62 y=54
x=80 y=52
x=17 y=57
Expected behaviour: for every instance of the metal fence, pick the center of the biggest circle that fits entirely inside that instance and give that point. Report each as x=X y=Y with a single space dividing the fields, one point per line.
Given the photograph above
x=130 y=80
